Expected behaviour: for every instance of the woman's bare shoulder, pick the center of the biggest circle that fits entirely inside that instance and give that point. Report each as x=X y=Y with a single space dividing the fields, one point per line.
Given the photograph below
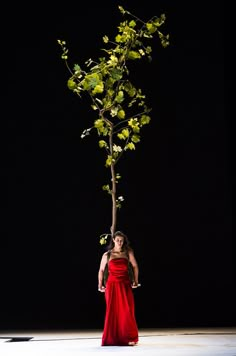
x=130 y=250
x=106 y=254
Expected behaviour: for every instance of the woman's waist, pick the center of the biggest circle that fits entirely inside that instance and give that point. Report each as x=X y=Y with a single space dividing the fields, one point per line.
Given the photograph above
x=118 y=278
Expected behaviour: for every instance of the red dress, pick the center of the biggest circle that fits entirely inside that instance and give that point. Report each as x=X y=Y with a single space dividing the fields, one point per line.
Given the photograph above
x=120 y=325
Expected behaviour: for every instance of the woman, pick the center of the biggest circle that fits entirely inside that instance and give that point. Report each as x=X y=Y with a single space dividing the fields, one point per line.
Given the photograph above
x=120 y=327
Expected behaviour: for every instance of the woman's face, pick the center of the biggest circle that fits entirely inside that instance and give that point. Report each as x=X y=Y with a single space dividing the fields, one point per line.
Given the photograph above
x=118 y=241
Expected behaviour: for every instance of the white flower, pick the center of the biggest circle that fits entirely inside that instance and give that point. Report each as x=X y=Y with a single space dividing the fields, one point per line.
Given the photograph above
x=117 y=148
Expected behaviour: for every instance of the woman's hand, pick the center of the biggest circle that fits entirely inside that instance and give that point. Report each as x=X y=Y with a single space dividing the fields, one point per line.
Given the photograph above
x=135 y=285
x=101 y=289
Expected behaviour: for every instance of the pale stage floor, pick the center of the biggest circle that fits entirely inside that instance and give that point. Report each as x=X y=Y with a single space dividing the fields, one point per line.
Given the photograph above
x=152 y=342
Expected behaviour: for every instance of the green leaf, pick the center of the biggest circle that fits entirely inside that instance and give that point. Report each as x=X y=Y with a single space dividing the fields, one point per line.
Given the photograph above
x=71 y=84
x=113 y=61
x=108 y=161
x=116 y=74
x=119 y=97
x=105 y=39
x=145 y=119
x=135 y=138
x=98 y=88
x=132 y=23
x=77 y=69
x=121 y=114
x=103 y=239
x=124 y=134
x=119 y=39
x=151 y=27
x=122 y=10
x=91 y=80
x=102 y=144
x=106 y=188
x=130 y=146
x=133 y=55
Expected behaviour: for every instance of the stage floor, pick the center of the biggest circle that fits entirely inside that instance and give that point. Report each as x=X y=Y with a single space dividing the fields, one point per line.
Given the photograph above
x=152 y=342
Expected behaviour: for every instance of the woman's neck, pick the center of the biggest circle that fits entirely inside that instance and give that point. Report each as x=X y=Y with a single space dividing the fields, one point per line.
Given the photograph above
x=117 y=250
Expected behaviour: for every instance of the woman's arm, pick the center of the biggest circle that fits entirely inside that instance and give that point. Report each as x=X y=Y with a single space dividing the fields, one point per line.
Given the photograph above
x=103 y=263
x=134 y=264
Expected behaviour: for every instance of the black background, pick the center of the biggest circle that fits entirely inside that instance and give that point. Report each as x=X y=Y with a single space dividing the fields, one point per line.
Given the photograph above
x=177 y=184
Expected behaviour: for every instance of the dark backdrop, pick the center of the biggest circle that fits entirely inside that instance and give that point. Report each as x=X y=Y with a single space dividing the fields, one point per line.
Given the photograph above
x=177 y=184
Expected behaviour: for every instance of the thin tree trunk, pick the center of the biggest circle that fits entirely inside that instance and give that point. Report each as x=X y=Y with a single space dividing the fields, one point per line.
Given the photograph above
x=113 y=190
x=113 y=194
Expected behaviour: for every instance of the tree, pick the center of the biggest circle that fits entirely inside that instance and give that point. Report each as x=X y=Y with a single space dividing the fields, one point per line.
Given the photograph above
x=121 y=108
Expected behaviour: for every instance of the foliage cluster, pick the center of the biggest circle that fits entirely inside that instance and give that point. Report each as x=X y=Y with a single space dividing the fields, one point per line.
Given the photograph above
x=121 y=108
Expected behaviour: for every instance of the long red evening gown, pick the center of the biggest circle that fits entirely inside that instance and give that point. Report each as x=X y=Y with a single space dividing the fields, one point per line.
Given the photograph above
x=120 y=325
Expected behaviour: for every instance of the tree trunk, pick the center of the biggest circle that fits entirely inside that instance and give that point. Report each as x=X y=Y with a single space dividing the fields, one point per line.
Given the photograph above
x=113 y=194
x=113 y=190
